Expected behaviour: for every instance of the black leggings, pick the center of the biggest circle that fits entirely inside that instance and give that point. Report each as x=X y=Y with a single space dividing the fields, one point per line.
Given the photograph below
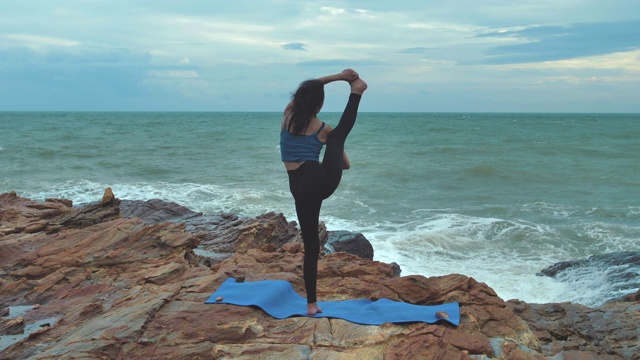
x=313 y=182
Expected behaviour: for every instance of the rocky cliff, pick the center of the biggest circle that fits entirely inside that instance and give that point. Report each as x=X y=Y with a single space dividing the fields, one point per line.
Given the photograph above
x=116 y=280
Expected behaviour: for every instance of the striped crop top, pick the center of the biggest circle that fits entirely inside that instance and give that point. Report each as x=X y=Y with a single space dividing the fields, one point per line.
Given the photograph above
x=298 y=148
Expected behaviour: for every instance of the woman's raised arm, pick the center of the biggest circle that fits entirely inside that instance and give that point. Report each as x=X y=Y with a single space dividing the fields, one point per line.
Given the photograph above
x=347 y=75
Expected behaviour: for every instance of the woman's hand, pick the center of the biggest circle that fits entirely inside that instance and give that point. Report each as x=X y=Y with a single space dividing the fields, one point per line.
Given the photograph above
x=349 y=75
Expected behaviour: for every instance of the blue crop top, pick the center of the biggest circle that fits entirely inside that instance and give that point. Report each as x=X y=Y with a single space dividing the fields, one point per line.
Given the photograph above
x=298 y=148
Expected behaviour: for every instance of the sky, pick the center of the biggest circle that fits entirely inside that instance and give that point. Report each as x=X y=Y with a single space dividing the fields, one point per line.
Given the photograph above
x=417 y=56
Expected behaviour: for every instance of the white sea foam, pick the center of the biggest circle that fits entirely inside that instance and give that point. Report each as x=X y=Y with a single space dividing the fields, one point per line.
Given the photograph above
x=608 y=238
x=472 y=246
x=198 y=197
x=485 y=249
x=511 y=278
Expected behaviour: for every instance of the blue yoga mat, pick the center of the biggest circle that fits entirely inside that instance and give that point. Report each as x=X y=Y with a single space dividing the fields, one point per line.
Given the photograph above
x=278 y=299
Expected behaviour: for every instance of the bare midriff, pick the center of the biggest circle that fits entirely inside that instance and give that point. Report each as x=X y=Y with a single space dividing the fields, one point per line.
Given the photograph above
x=292 y=165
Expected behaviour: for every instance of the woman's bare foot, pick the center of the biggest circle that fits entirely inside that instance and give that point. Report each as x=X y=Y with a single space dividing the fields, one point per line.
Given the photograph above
x=358 y=86
x=313 y=309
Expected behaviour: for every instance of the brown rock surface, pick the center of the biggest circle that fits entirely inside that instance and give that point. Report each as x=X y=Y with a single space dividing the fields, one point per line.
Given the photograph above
x=612 y=329
x=118 y=288
x=220 y=235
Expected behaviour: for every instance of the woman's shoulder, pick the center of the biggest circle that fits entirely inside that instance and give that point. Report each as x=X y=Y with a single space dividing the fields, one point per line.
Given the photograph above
x=316 y=125
x=323 y=133
x=286 y=118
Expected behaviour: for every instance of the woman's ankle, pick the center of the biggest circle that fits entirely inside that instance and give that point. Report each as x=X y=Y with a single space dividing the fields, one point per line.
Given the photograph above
x=358 y=86
x=313 y=308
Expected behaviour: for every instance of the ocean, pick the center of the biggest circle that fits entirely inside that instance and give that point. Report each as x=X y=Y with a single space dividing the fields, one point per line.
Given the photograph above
x=497 y=197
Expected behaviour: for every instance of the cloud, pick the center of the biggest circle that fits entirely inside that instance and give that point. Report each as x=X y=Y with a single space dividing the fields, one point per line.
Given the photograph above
x=191 y=54
x=414 y=50
x=295 y=46
x=36 y=40
x=338 y=63
x=624 y=62
x=333 y=11
x=69 y=58
x=548 y=43
x=334 y=63
x=174 y=73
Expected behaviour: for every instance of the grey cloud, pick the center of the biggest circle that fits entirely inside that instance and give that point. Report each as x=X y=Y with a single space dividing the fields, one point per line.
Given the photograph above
x=73 y=56
x=565 y=42
x=71 y=78
x=295 y=46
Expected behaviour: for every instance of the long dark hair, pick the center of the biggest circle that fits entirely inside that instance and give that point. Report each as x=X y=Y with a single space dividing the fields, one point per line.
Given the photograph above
x=307 y=101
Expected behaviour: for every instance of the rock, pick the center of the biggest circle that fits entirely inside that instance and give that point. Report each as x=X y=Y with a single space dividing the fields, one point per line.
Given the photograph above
x=132 y=269
x=156 y=211
x=442 y=315
x=631 y=258
x=350 y=242
x=292 y=248
x=120 y=288
x=632 y=297
x=223 y=235
x=108 y=197
x=396 y=269
x=611 y=331
x=11 y=326
x=269 y=228
x=65 y=202
x=619 y=271
x=26 y=216
x=575 y=355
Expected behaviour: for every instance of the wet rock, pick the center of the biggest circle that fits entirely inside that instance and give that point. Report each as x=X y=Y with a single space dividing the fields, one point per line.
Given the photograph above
x=628 y=258
x=11 y=326
x=632 y=297
x=619 y=271
x=350 y=242
x=156 y=211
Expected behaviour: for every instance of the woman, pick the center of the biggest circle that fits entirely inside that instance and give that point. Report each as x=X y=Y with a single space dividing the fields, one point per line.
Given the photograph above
x=302 y=136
